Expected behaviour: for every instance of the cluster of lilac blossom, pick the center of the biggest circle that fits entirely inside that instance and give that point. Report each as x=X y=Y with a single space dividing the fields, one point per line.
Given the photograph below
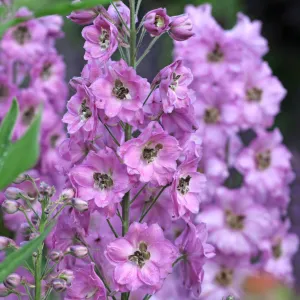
x=151 y=206
x=33 y=72
x=247 y=166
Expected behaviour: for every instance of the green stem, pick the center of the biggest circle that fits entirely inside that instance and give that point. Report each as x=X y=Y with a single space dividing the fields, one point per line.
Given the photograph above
x=38 y=273
x=154 y=40
x=138 y=193
x=152 y=203
x=112 y=228
x=128 y=128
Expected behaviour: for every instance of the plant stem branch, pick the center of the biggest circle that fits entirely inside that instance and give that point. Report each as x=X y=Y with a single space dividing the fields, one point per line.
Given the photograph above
x=154 y=40
x=112 y=228
x=138 y=193
x=152 y=203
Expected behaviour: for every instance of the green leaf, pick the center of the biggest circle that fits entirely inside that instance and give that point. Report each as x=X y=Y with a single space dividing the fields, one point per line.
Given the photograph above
x=57 y=8
x=6 y=129
x=21 y=155
x=17 y=258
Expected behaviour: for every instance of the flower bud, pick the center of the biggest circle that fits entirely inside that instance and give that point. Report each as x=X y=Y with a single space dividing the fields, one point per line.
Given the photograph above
x=123 y=11
x=67 y=194
x=25 y=229
x=34 y=219
x=59 y=285
x=83 y=17
x=181 y=28
x=79 y=251
x=12 y=281
x=67 y=275
x=4 y=291
x=47 y=190
x=157 y=21
x=56 y=255
x=10 y=206
x=5 y=242
x=13 y=193
x=21 y=178
x=80 y=205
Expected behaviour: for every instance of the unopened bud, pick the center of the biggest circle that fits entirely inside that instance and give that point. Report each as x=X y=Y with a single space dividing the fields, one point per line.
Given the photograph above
x=33 y=236
x=4 y=291
x=12 y=281
x=5 y=242
x=67 y=194
x=13 y=193
x=83 y=17
x=67 y=275
x=25 y=229
x=59 y=285
x=56 y=255
x=10 y=206
x=80 y=205
x=79 y=251
x=34 y=219
x=47 y=190
x=21 y=178
x=181 y=28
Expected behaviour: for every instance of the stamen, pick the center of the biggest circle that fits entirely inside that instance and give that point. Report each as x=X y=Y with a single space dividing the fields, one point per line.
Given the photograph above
x=149 y=154
x=120 y=91
x=211 y=115
x=263 y=160
x=183 y=186
x=22 y=34
x=224 y=277
x=84 y=111
x=254 y=94
x=216 y=55
x=102 y=181
x=234 y=221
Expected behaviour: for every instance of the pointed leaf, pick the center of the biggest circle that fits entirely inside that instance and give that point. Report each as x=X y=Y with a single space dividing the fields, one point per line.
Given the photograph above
x=21 y=155
x=17 y=258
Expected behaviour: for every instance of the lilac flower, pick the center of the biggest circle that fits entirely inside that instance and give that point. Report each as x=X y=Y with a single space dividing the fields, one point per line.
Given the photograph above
x=101 y=177
x=265 y=163
x=152 y=155
x=261 y=96
x=181 y=28
x=121 y=92
x=236 y=227
x=249 y=34
x=157 y=21
x=174 y=81
x=142 y=258
x=192 y=244
x=25 y=41
x=187 y=189
x=224 y=277
x=82 y=112
x=86 y=285
x=101 y=39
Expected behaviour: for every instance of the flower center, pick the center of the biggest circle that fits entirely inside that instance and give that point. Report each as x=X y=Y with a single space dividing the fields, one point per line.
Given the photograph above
x=211 y=115
x=235 y=222
x=84 y=111
x=22 y=35
x=254 y=94
x=277 y=250
x=183 y=186
x=216 y=55
x=263 y=160
x=4 y=91
x=120 y=91
x=46 y=72
x=159 y=21
x=53 y=140
x=140 y=256
x=104 y=39
x=28 y=115
x=224 y=277
x=175 y=81
x=102 y=181
x=149 y=154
